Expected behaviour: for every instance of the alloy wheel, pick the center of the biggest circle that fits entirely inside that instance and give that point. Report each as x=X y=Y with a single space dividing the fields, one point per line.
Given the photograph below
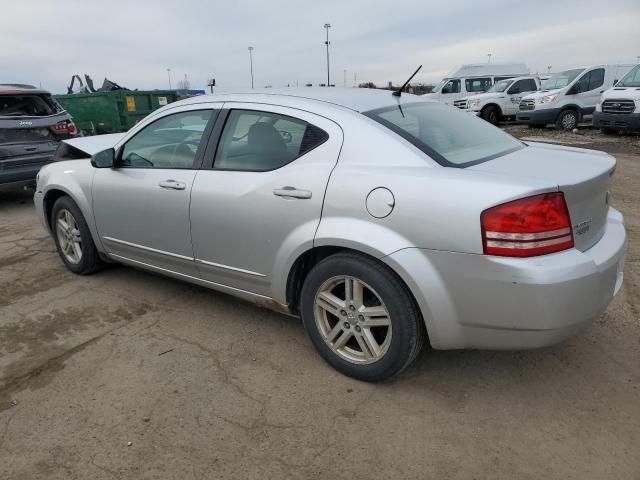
x=68 y=235
x=352 y=319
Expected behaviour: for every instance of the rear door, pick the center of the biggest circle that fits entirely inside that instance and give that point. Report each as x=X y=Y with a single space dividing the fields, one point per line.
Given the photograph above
x=257 y=203
x=141 y=207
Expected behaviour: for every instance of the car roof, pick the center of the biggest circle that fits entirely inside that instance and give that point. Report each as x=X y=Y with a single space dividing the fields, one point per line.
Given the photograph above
x=356 y=99
x=19 y=88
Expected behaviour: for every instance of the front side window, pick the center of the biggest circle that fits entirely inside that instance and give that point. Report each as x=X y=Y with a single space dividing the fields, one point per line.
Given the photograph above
x=500 y=86
x=170 y=142
x=262 y=141
x=448 y=135
x=452 y=86
x=477 y=84
x=597 y=78
x=525 y=85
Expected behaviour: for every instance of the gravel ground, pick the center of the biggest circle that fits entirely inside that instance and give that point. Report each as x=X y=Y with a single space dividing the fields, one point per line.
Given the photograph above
x=125 y=374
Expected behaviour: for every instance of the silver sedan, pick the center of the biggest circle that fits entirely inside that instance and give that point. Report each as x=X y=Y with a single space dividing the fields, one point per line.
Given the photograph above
x=382 y=221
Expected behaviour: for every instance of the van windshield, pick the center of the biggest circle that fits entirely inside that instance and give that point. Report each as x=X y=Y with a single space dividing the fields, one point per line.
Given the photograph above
x=439 y=85
x=631 y=79
x=561 y=79
x=449 y=136
x=500 y=86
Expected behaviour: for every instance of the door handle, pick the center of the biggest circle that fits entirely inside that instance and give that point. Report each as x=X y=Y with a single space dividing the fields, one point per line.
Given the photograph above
x=172 y=185
x=292 y=192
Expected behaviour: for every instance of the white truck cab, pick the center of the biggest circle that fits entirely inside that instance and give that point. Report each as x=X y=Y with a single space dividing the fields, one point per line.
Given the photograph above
x=472 y=79
x=501 y=100
x=569 y=96
x=619 y=107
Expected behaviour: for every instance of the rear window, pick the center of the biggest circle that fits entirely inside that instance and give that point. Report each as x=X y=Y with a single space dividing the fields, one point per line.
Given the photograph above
x=28 y=106
x=451 y=137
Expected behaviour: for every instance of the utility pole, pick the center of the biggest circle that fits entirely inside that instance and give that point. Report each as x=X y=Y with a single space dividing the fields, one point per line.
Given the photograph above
x=489 y=56
x=355 y=79
x=251 y=64
x=345 y=78
x=169 y=74
x=327 y=26
x=548 y=69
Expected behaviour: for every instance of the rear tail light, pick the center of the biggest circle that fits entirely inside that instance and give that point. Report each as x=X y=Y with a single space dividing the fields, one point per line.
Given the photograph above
x=66 y=127
x=527 y=227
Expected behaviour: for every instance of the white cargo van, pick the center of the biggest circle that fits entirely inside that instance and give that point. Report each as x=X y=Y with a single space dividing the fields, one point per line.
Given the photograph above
x=500 y=101
x=619 y=107
x=473 y=79
x=568 y=96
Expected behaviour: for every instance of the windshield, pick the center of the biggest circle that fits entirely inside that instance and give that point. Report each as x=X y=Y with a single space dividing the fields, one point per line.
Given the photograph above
x=631 y=79
x=500 y=86
x=561 y=79
x=448 y=135
x=439 y=85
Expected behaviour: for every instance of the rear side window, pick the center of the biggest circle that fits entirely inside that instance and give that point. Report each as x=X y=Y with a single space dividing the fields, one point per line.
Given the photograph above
x=477 y=84
x=28 y=106
x=261 y=141
x=448 y=135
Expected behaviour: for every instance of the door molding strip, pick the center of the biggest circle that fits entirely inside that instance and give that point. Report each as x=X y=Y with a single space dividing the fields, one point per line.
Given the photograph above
x=148 y=249
x=227 y=267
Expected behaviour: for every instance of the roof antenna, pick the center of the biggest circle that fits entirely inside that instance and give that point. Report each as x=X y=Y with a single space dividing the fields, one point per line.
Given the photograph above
x=397 y=93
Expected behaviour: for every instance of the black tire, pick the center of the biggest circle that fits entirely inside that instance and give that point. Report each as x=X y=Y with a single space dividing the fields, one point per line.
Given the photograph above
x=491 y=114
x=609 y=131
x=89 y=260
x=408 y=331
x=567 y=120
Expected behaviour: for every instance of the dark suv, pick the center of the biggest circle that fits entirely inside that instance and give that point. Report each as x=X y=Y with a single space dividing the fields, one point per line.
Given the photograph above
x=31 y=125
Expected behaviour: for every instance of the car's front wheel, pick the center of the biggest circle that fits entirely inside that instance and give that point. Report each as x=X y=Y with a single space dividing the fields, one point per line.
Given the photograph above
x=360 y=317
x=73 y=238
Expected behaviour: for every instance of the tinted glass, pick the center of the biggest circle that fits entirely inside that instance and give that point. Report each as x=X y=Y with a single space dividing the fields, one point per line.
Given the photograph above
x=260 y=141
x=452 y=86
x=170 y=142
x=448 y=135
x=477 y=84
x=597 y=78
x=500 y=86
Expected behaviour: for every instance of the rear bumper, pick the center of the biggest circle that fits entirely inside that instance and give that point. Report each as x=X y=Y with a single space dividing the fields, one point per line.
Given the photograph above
x=481 y=301
x=24 y=171
x=544 y=116
x=628 y=122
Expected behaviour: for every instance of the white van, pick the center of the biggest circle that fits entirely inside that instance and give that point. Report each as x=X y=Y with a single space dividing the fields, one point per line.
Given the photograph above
x=473 y=79
x=502 y=100
x=568 y=96
x=619 y=107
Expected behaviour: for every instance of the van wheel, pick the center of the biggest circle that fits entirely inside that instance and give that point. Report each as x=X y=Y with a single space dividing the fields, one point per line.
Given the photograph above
x=567 y=120
x=491 y=114
x=609 y=131
x=73 y=238
x=360 y=317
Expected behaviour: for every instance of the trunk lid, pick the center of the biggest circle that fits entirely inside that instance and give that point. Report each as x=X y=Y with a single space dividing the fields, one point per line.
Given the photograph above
x=583 y=175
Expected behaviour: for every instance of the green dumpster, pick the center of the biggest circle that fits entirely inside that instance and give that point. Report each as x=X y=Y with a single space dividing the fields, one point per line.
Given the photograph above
x=115 y=111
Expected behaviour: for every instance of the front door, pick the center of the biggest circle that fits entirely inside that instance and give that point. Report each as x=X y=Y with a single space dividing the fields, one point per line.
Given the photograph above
x=141 y=206
x=589 y=88
x=258 y=204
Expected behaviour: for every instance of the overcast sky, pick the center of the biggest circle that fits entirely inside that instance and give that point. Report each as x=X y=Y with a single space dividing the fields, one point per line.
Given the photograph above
x=134 y=42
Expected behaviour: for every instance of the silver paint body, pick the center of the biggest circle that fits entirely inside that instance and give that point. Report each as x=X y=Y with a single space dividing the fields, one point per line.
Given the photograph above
x=228 y=231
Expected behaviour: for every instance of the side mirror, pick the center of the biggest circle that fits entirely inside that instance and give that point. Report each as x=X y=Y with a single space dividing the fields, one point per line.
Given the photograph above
x=514 y=90
x=104 y=159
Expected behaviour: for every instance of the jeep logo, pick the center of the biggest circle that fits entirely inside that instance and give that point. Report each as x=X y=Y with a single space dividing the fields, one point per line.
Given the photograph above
x=24 y=122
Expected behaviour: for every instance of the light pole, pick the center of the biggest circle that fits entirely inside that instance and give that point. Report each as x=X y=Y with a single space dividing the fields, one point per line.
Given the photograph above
x=327 y=26
x=169 y=75
x=251 y=64
x=489 y=56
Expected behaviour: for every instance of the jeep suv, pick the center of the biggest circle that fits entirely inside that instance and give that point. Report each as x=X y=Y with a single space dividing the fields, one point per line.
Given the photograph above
x=31 y=125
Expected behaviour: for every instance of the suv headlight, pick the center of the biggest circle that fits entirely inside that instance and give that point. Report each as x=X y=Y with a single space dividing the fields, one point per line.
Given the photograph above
x=546 y=99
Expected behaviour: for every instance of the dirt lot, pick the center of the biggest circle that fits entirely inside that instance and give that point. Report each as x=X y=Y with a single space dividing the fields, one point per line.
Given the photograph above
x=205 y=386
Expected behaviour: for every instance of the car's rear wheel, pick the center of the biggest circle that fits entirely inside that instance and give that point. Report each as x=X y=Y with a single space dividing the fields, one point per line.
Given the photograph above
x=73 y=238
x=360 y=317
x=567 y=120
